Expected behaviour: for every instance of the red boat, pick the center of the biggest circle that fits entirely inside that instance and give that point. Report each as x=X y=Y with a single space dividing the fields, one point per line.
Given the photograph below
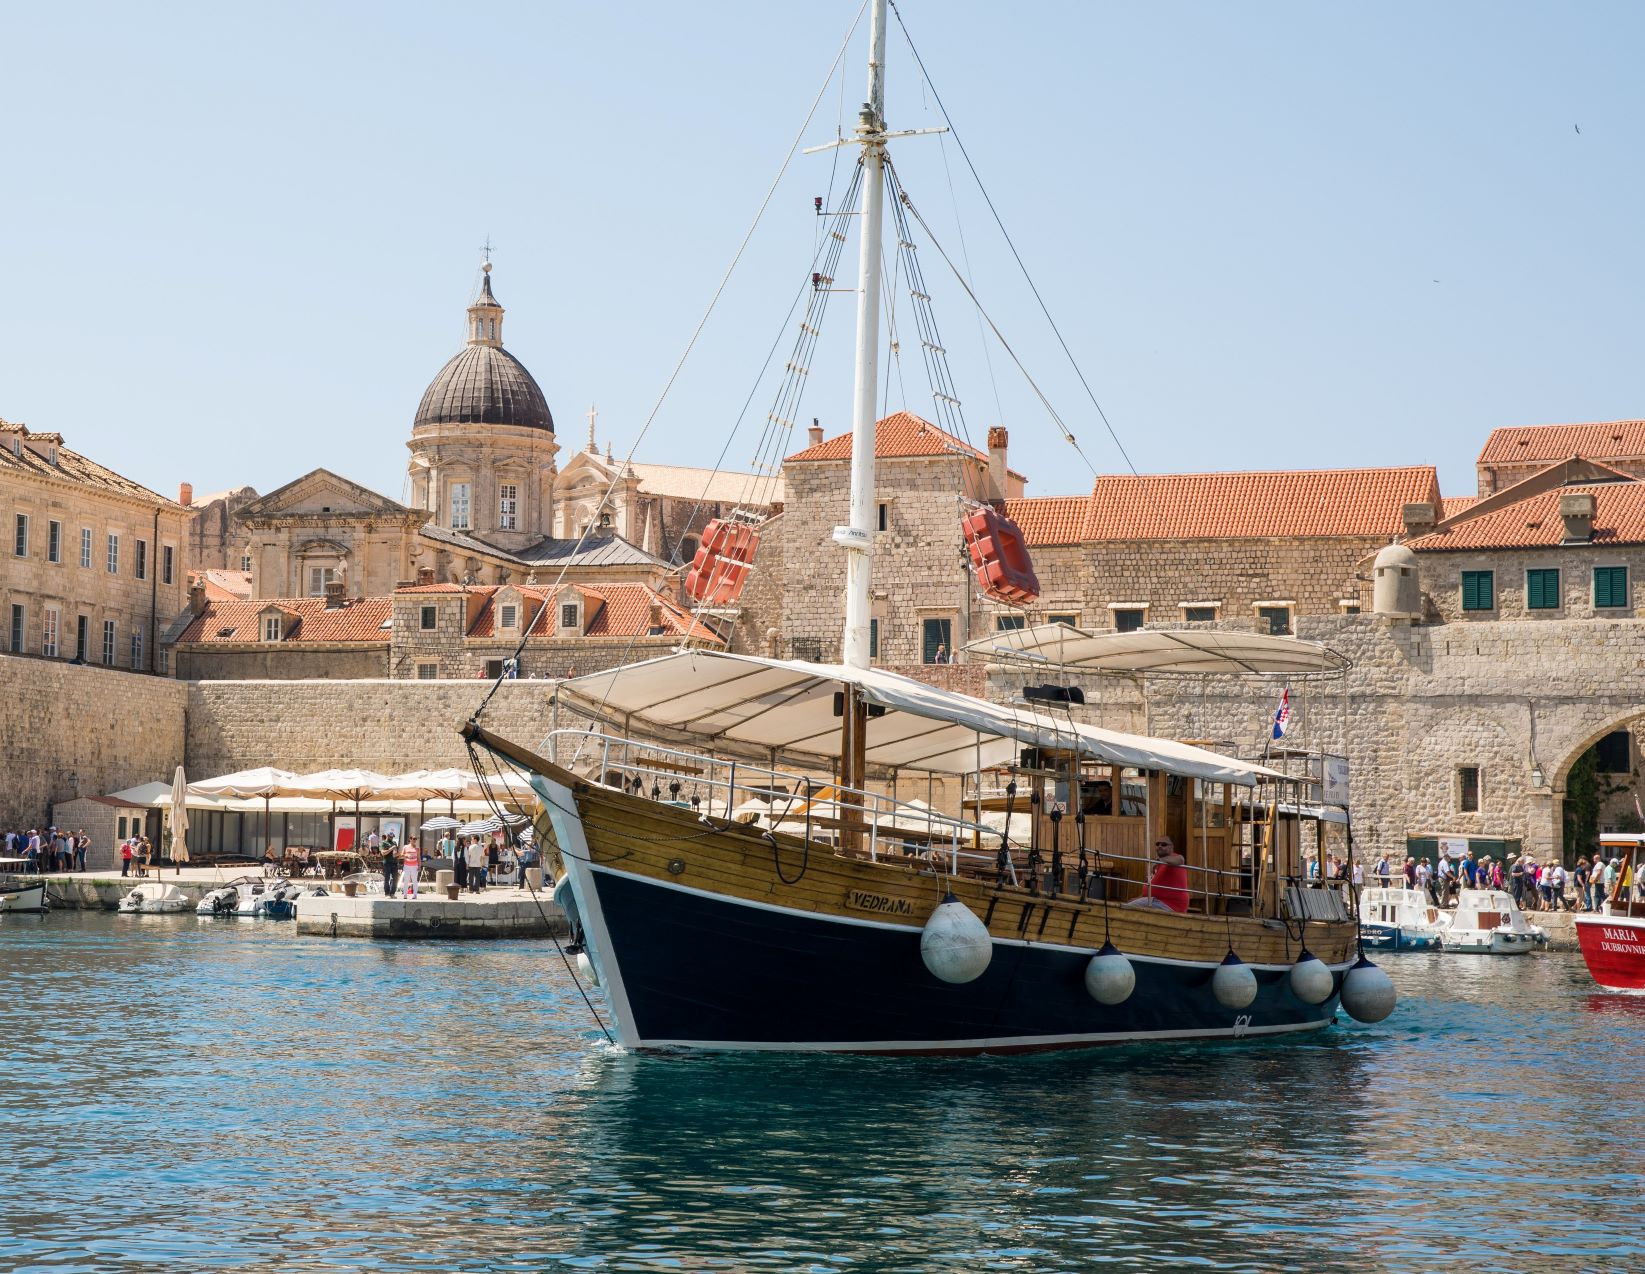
x=1613 y=942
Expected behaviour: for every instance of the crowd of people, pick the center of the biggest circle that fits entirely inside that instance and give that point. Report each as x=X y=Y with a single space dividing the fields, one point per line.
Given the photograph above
x=1536 y=886
x=476 y=861
x=47 y=849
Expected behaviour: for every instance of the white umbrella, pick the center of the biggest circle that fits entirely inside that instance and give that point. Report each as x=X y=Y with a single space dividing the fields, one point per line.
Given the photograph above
x=441 y=824
x=482 y=827
x=179 y=819
x=339 y=785
x=265 y=781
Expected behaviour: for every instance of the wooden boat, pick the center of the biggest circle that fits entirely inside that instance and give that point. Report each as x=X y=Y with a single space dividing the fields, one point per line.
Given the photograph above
x=853 y=921
x=22 y=895
x=1613 y=941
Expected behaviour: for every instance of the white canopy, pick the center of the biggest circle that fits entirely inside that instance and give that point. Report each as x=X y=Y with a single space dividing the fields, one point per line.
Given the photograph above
x=747 y=705
x=1160 y=650
x=265 y=780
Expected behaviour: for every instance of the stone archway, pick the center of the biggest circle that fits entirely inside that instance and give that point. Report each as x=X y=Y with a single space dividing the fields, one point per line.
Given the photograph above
x=1579 y=746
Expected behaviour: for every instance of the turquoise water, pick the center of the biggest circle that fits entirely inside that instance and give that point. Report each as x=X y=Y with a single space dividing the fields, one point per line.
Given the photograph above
x=222 y=1095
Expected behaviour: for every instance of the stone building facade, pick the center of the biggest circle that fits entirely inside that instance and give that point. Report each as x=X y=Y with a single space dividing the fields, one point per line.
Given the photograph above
x=93 y=565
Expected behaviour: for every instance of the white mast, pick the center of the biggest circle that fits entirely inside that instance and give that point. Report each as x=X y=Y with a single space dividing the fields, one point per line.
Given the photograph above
x=858 y=537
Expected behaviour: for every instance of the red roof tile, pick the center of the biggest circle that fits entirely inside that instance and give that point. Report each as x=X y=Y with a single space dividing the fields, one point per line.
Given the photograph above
x=624 y=611
x=1214 y=506
x=1544 y=443
x=1534 y=522
x=1451 y=505
x=1051 y=519
x=435 y=588
x=361 y=620
x=901 y=434
x=225 y=586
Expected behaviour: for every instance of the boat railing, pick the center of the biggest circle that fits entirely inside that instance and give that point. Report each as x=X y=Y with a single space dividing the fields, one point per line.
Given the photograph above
x=776 y=800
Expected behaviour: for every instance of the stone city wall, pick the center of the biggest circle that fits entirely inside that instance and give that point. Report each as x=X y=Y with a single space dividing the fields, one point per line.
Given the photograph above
x=68 y=731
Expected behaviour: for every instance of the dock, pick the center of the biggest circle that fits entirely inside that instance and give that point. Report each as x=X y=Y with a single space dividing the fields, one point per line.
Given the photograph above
x=496 y=913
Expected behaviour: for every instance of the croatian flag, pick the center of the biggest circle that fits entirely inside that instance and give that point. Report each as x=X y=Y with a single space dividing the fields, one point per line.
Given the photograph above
x=1282 y=715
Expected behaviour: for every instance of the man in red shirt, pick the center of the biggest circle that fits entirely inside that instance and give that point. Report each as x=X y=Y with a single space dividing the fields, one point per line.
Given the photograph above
x=1167 y=888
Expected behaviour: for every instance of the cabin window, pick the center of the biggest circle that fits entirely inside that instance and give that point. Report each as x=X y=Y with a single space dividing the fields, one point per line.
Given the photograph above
x=1128 y=620
x=1468 y=789
x=937 y=640
x=1542 y=590
x=1010 y=623
x=1277 y=620
x=1611 y=754
x=428 y=618
x=1610 y=586
x=1478 y=590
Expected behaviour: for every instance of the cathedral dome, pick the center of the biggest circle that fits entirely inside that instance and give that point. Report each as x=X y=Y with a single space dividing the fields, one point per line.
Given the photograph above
x=484 y=384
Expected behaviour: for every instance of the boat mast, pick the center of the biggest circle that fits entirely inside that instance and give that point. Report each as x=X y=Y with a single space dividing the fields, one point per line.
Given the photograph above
x=857 y=538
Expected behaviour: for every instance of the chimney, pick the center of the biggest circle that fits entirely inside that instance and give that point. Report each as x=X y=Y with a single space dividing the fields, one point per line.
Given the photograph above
x=656 y=619
x=997 y=440
x=814 y=434
x=185 y=494
x=1419 y=518
x=425 y=575
x=1576 y=510
x=334 y=594
x=196 y=596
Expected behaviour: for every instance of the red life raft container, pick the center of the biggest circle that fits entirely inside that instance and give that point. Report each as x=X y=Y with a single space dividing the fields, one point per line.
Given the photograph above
x=1000 y=557
x=723 y=563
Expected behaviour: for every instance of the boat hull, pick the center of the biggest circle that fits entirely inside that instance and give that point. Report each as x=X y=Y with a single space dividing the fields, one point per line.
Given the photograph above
x=1396 y=938
x=700 y=971
x=23 y=897
x=1489 y=942
x=1614 y=949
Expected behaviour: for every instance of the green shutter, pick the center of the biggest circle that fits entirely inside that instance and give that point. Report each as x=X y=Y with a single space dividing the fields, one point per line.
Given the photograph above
x=1610 y=586
x=1478 y=590
x=1542 y=590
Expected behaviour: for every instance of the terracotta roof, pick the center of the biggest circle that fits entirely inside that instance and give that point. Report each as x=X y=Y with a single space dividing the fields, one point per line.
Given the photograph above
x=71 y=466
x=435 y=588
x=1050 y=519
x=1285 y=503
x=1542 y=443
x=596 y=550
x=902 y=434
x=361 y=620
x=624 y=611
x=225 y=586
x=1534 y=522
x=680 y=482
x=1451 y=505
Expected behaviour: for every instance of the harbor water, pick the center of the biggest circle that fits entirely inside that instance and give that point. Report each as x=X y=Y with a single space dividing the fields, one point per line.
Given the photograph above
x=219 y=1095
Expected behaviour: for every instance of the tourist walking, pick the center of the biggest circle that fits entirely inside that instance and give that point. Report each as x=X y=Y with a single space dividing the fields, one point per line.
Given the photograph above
x=1579 y=881
x=411 y=862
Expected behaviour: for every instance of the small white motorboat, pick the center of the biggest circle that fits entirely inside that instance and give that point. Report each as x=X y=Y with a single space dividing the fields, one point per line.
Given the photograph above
x=242 y=896
x=153 y=898
x=16 y=895
x=1486 y=922
x=1398 y=918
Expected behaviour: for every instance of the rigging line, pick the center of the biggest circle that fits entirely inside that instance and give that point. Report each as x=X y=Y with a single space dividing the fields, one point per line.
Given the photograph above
x=965 y=255
x=1044 y=309
x=690 y=345
x=1068 y=436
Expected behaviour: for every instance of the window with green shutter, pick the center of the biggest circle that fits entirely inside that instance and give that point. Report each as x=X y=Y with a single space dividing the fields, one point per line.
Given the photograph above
x=1542 y=590
x=1610 y=586
x=1478 y=590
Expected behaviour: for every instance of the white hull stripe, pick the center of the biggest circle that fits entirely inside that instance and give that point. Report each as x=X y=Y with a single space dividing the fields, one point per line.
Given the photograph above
x=981 y=1045
x=915 y=929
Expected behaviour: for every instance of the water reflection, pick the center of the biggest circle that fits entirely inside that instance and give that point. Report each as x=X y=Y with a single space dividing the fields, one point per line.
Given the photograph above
x=224 y=1095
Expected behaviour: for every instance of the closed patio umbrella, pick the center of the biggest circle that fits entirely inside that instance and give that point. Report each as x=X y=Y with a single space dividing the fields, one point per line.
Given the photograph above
x=179 y=820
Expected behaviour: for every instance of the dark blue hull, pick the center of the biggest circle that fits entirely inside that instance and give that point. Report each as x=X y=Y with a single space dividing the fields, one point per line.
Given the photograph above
x=1393 y=938
x=691 y=969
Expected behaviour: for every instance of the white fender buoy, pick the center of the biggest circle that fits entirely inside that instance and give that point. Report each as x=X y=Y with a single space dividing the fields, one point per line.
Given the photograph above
x=585 y=967
x=1368 y=993
x=955 y=944
x=1233 y=983
x=1311 y=981
x=1109 y=976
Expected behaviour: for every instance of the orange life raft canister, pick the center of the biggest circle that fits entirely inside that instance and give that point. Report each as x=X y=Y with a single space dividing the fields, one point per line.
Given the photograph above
x=1000 y=557
x=723 y=562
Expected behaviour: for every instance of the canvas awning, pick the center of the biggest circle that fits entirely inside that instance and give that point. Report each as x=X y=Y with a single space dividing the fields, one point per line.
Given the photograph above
x=752 y=706
x=1160 y=650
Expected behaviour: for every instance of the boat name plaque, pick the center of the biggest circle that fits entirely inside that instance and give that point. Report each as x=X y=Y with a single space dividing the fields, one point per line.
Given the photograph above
x=880 y=904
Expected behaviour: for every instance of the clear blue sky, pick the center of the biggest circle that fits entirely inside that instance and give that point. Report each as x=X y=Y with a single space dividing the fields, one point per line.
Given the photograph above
x=238 y=239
